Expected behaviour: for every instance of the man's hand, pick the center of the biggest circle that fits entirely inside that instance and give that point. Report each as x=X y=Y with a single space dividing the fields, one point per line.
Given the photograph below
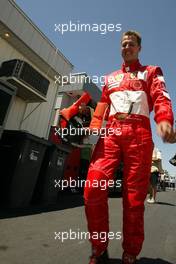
x=165 y=131
x=173 y=138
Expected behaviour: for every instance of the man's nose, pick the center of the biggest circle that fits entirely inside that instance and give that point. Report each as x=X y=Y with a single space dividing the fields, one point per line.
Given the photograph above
x=127 y=46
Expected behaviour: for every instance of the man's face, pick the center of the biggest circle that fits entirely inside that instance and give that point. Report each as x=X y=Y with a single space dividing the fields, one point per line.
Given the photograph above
x=130 y=48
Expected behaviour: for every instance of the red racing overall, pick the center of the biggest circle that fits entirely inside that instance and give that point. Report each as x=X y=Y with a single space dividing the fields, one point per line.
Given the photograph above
x=143 y=88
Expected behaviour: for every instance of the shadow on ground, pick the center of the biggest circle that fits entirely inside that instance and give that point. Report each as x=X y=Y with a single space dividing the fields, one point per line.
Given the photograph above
x=66 y=200
x=143 y=261
x=161 y=203
x=153 y=261
x=115 y=194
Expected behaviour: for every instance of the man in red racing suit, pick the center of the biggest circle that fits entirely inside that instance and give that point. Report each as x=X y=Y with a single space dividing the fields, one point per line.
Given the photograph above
x=130 y=93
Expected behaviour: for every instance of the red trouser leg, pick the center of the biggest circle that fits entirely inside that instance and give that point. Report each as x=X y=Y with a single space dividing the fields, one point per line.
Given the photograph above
x=135 y=146
x=137 y=155
x=104 y=162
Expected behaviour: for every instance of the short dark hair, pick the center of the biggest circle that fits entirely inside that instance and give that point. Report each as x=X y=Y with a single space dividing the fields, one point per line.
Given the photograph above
x=133 y=33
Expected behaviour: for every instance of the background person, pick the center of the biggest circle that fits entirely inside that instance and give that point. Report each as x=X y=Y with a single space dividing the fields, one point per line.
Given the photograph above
x=153 y=184
x=172 y=183
x=162 y=181
x=156 y=169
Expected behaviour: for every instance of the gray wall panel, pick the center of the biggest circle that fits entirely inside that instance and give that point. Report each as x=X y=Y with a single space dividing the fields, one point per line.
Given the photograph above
x=18 y=22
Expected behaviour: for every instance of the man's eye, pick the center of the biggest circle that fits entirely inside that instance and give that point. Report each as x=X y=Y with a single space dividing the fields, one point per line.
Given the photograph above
x=128 y=44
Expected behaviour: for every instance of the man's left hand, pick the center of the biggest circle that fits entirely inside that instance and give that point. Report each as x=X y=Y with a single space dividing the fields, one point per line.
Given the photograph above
x=165 y=131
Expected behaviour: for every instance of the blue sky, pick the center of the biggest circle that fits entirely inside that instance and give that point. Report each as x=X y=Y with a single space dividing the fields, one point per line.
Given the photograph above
x=98 y=54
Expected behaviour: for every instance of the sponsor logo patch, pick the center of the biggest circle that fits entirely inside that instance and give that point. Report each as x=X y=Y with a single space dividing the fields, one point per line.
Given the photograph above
x=113 y=85
x=133 y=75
x=166 y=95
x=142 y=75
x=161 y=78
x=137 y=85
x=114 y=81
x=119 y=77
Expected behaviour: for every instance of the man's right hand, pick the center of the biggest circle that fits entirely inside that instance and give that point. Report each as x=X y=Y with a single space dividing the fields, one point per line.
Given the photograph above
x=173 y=138
x=166 y=132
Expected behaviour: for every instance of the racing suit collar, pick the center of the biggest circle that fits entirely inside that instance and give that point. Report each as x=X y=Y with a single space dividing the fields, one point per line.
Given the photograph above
x=132 y=67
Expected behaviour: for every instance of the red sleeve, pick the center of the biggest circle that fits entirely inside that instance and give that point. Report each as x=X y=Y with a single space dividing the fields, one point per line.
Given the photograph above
x=160 y=98
x=105 y=99
x=105 y=96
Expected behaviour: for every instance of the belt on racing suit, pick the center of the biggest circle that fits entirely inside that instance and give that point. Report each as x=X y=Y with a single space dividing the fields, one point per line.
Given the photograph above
x=123 y=116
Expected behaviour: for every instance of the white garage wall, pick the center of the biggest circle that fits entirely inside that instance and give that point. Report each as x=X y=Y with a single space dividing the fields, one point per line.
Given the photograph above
x=39 y=121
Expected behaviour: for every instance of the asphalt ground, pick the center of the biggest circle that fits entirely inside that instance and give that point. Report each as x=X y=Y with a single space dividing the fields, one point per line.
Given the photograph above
x=31 y=235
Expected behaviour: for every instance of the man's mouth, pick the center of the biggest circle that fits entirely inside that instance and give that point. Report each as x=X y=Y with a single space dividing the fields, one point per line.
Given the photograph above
x=128 y=53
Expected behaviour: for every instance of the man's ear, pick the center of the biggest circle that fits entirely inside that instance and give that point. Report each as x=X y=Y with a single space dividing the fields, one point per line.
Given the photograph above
x=140 y=48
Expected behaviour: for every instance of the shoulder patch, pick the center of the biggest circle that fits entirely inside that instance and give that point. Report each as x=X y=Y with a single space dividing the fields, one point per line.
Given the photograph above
x=142 y=75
